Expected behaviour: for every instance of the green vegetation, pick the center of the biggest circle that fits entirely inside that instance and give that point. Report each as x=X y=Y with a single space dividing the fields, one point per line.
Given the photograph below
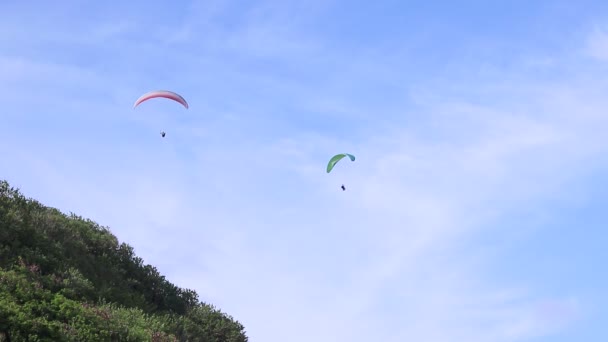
x=65 y=278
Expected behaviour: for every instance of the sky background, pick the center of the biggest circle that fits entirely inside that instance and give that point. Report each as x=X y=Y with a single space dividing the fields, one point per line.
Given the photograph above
x=476 y=208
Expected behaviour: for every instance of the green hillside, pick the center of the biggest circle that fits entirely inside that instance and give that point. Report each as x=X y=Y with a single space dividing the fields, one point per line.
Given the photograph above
x=66 y=278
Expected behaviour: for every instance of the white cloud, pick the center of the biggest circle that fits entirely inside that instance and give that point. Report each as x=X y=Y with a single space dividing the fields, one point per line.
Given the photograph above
x=409 y=201
x=597 y=44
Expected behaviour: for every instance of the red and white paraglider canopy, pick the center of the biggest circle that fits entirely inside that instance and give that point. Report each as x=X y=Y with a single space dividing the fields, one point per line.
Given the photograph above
x=161 y=93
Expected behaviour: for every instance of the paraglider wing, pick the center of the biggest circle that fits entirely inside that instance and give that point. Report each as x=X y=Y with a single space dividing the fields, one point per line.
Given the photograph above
x=335 y=159
x=161 y=93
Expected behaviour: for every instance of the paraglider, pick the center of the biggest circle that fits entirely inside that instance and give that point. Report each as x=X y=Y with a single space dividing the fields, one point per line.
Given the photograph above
x=164 y=94
x=335 y=159
x=161 y=93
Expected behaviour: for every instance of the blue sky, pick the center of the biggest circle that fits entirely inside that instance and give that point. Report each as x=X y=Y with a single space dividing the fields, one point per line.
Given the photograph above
x=475 y=210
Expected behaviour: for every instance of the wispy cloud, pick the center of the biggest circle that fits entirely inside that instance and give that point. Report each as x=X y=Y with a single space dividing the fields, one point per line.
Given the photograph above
x=597 y=44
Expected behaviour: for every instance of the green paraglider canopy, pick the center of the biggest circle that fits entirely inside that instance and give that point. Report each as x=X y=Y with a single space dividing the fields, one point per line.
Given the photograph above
x=335 y=159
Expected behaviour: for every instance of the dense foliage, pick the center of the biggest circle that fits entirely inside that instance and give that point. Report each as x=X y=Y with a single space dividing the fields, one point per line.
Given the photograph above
x=65 y=278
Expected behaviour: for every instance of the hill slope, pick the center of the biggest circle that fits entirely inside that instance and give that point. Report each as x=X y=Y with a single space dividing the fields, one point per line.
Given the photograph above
x=65 y=278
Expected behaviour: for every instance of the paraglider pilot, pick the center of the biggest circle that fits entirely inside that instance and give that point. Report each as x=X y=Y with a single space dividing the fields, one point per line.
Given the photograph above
x=162 y=134
x=343 y=187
